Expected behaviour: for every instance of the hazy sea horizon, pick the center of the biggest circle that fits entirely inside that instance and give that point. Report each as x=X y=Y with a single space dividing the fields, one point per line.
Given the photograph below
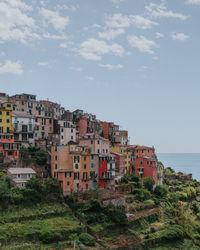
x=182 y=162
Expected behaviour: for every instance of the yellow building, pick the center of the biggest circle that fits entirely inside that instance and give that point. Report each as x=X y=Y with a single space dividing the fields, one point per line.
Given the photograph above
x=6 y=118
x=122 y=149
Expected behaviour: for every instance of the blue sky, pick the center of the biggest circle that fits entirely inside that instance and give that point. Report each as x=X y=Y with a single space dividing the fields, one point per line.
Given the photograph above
x=134 y=62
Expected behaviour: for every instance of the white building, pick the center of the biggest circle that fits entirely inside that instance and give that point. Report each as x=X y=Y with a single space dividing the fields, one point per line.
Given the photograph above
x=67 y=132
x=21 y=175
x=24 y=128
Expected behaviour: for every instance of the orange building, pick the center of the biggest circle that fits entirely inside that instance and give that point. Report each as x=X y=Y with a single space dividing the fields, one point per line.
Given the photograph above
x=71 y=166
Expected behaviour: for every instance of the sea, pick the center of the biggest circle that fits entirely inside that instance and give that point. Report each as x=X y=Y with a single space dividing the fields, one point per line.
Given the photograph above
x=185 y=163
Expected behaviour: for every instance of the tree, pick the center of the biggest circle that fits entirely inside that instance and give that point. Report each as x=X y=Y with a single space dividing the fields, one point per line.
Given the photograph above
x=148 y=183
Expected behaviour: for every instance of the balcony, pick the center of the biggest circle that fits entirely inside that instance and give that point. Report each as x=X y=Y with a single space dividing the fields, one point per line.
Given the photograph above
x=107 y=177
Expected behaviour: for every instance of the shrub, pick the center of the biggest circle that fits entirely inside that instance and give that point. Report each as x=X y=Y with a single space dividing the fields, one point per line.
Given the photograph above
x=142 y=194
x=161 y=191
x=148 y=183
x=87 y=239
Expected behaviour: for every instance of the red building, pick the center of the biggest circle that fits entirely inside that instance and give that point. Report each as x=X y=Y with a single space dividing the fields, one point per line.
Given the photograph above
x=8 y=147
x=147 y=167
x=103 y=169
x=143 y=151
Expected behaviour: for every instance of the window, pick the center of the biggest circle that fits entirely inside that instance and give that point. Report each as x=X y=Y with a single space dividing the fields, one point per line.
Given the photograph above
x=141 y=163
x=8 y=130
x=56 y=157
x=92 y=157
x=50 y=122
x=72 y=137
x=67 y=175
x=103 y=150
x=9 y=105
x=0 y=112
x=56 y=166
x=98 y=151
x=0 y=120
x=68 y=183
x=10 y=153
x=91 y=142
x=85 y=158
x=92 y=165
x=35 y=134
x=1 y=129
x=7 y=113
x=30 y=127
x=76 y=166
x=72 y=130
x=78 y=158
x=98 y=142
x=42 y=127
x=7 y=120
x=76 y=176
x=85 y=166
x=86 y=186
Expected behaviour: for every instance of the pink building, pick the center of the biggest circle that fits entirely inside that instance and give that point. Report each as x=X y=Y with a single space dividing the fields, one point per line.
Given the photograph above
x=96 y=143
x=8 y=147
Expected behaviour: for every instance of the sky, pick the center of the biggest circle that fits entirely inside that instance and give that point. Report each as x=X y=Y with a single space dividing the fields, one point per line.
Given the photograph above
x=134 y=62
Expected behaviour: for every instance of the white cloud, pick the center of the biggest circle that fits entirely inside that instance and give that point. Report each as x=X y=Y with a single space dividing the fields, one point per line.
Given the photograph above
x=160 y=10
x=55 y=37
x=43 y=64
x=193 y=2
x=159 y=35
x=15 y=24
x=111 y=67
x=179 y=36
x=19 y=4
x=91 y=78
x=111 y=34
x=53 y=17
x=78 y=69
x=66 y=45
x=93 y=49
x=124 y=21
x=142 y=43
x=11 y=67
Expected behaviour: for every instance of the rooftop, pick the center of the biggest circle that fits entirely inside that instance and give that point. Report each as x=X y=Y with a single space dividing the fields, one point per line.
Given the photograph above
x=21 y=171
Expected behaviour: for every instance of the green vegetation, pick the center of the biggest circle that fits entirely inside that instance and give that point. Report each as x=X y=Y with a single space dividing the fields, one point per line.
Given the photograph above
x=164 y=217
x=35 y=153
x=87 y=239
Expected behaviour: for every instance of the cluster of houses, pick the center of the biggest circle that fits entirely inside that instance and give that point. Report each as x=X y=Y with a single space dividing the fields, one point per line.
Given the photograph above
x=85 y=153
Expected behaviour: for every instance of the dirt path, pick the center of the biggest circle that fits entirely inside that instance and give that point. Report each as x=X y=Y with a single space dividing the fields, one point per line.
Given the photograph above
x=144 y=213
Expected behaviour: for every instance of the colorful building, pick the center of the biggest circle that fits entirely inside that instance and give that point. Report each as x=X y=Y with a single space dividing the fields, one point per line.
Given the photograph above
x=148 y=167
x=106 y=171
x=71 y=166
x=123 y=149
x=8 y=147
x=96 y=143
x=6 y=118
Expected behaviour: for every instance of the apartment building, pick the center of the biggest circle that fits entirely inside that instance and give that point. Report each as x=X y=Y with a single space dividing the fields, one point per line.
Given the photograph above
x=6 y=117
x=96 y=143
x=71 y=166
